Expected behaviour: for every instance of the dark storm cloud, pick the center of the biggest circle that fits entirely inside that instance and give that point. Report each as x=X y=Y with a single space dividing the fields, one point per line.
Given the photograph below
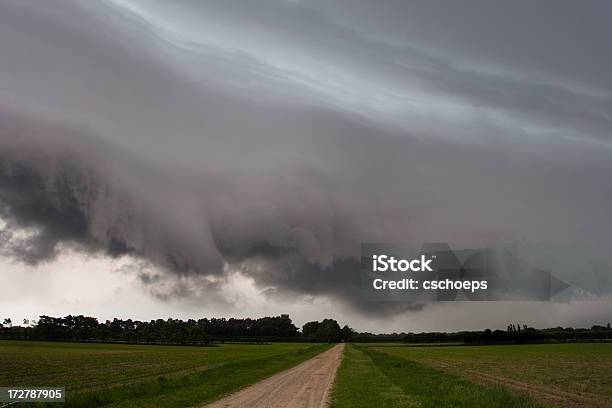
x=300 y=48
x=560 y=41
x=274 y=137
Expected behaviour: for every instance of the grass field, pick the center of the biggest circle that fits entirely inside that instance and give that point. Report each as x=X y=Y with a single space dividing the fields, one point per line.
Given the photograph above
x=570 y=375
x=371 y=375
x=145 y=376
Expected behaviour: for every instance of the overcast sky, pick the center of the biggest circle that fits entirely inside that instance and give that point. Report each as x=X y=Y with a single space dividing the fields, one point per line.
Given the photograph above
x=227 y=158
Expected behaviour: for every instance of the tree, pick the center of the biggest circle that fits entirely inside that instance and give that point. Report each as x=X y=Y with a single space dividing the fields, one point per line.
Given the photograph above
x=309 y=330
x=329 y=331
x=326 y=331
x=347 y=333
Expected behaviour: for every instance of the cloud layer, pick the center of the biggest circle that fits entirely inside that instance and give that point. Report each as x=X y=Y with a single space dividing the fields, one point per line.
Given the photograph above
x=272 y=138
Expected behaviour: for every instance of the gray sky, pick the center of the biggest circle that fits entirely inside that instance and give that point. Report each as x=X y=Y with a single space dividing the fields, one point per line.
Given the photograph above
x=198 y=158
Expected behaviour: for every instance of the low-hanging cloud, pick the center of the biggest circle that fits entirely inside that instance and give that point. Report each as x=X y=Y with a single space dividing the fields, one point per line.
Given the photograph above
x=204 y=156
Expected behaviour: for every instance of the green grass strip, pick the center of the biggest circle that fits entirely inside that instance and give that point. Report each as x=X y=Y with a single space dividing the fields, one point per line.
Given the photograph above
x=359 y=383
x=370 y=378
x=196 y=388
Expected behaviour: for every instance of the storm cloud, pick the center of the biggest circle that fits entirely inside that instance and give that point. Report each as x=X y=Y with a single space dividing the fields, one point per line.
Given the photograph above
x=273 y=137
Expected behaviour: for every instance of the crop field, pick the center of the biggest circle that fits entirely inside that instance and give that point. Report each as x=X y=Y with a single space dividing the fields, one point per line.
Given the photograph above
x=371 y=375
x=553 y=375
x=146 y=376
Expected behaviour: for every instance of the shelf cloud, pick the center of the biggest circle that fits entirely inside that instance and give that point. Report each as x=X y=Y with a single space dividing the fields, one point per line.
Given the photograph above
x=271 y=138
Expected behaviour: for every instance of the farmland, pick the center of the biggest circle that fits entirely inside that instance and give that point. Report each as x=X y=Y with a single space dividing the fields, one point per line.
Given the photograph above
x=570 y=375
x=142 y=375
x=390 y=375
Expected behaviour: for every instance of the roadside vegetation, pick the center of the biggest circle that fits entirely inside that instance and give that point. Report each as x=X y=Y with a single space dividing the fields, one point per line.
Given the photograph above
x=566 y=374
x=535 y=375
x=369 y=378
x=113 y=375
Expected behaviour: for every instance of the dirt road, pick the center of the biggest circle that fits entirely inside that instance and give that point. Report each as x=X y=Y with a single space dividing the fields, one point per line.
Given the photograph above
x=304 y=386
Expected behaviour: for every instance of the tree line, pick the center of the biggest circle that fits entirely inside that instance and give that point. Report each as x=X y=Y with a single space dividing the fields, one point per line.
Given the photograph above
x=173 y=331
x=268 y=329
x=514 y=333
